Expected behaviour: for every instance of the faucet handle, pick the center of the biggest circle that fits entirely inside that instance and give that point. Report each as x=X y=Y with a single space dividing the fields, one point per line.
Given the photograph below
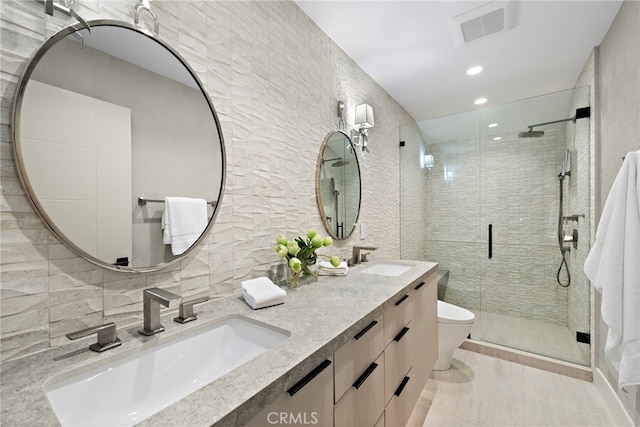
x=107 y=338
x=185 y=313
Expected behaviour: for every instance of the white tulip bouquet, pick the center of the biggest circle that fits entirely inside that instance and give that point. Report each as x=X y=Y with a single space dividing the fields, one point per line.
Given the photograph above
x=301 y=254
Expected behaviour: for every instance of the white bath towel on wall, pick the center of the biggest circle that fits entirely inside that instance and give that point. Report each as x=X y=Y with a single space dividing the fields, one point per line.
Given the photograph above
x=183 y=221
x=613 y=265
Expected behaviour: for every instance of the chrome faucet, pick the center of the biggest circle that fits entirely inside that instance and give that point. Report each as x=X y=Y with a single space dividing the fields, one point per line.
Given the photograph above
x=152 y=299
x=357 y=257
x=107 y=338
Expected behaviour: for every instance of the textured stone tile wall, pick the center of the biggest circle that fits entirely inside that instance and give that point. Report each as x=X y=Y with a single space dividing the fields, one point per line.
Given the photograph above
x=414 y=197
x=274 y=79
x=511 y=184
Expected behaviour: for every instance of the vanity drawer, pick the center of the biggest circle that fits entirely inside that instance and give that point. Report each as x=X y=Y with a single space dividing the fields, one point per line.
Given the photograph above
x=353 y=358
x=398 y=359
x=309 y=401
x=399 y=409
x=363 y=406
x=397 y=316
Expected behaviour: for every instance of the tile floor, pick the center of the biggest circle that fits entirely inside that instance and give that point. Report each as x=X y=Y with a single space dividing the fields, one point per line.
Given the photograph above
x=484 y=391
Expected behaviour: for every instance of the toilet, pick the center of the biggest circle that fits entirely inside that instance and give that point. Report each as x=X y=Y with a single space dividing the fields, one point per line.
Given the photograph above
x=454 y=325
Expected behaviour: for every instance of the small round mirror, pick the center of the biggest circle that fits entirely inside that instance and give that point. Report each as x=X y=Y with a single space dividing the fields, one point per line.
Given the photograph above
x=338 y=185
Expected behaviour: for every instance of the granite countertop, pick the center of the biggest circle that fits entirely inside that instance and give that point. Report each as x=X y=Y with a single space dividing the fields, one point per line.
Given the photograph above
x=320 y=316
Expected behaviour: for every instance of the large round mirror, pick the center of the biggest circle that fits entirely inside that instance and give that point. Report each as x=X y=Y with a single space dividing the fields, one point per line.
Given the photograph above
x=107 y=124
x=338 y=185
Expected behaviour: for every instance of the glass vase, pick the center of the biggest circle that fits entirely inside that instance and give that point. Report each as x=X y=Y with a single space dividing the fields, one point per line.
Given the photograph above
x=307 y=274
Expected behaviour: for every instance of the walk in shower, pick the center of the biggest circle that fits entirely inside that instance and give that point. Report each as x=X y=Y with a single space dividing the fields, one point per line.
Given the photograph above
x=480 y=194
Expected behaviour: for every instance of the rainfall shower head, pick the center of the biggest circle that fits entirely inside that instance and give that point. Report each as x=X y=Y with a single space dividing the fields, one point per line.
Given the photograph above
x=531 y=133
x=581 y=113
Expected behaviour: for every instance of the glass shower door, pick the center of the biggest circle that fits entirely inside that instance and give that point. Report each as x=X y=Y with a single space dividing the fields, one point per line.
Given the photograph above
x=487 y=211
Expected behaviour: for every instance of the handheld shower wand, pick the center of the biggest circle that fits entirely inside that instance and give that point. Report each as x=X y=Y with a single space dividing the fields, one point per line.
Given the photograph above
x=566 y=165
x=561 y=239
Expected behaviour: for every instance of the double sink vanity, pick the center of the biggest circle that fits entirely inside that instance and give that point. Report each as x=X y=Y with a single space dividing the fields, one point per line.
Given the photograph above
x=358 y=347
x=347 y=350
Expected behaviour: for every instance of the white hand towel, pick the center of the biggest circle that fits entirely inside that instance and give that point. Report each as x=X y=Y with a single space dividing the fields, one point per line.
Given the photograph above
x=613 y=267
x=183 y=221
x=326 y=269
x=328 y=265
x=261 y=292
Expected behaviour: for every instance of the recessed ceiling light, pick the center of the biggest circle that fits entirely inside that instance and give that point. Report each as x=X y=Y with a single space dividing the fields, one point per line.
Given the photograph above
x=492 y=125
x=480 y=101
x=476 y=69
x=497 y=138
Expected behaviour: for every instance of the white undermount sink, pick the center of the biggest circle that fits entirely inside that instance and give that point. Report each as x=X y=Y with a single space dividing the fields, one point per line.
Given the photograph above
x=387 y=269
x=132 y=388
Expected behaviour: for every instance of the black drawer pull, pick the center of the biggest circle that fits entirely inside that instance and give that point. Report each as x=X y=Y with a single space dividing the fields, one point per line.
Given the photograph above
x=362 y=378
x=401 y=386
x=421 y=284
x=365 y=330
x=308 y=378
x=401 y=334
x=401 y=300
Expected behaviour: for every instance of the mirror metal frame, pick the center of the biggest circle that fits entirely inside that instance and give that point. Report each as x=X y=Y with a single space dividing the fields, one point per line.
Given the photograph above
x=23 y=176
x=323 y=216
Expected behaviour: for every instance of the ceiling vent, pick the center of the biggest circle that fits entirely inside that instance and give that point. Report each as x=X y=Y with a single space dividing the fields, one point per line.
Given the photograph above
x=490 y=18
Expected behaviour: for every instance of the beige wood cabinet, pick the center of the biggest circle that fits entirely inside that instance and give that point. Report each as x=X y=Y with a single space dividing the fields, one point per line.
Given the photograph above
x=425 y=293
x=353 y=358
x=377 y=376
x=363 y=403
x=308 y=402
x=400 y=407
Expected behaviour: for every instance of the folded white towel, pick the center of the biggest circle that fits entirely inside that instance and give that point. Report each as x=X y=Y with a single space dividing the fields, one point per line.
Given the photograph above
x=326 y=269
x=327 y=264
x=261 y=292
x=183 y=221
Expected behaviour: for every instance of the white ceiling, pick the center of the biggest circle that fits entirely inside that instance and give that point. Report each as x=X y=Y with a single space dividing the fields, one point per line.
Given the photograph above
x=408 y=48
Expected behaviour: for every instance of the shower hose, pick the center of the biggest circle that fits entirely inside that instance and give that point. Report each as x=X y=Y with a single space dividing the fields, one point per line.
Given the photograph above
x=563 y=250
x=566 y=266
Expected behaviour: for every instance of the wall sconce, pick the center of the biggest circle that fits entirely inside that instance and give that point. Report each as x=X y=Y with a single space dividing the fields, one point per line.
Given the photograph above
x=363 y=119
x=428 y=161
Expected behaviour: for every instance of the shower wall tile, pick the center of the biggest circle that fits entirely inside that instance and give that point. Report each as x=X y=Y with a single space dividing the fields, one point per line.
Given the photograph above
x=511 y=184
